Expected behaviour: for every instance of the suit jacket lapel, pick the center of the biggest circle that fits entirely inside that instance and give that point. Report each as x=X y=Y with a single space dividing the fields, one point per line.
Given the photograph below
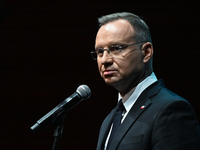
x=142 y=103
x=129 y=120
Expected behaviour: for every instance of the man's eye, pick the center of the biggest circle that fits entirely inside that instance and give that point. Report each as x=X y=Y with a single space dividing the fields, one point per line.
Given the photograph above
x=115 y=47
x=100 y=50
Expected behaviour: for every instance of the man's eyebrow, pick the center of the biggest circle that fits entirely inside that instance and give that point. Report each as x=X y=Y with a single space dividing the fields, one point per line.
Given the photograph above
x=119 y=43
x=111 y=44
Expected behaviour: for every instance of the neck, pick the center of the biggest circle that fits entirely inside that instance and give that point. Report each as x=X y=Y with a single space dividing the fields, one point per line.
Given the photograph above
x=124 y=90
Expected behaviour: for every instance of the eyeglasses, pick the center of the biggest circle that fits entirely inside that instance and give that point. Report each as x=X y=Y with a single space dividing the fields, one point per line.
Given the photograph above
x=113 y=51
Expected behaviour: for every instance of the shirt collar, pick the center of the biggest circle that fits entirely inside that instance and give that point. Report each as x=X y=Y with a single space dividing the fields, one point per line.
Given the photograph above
x=133 y=94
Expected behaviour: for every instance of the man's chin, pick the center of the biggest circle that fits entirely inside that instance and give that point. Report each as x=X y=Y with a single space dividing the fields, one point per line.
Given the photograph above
x=111 y=81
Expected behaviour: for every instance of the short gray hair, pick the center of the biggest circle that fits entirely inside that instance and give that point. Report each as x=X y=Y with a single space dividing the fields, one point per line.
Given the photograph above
x=142 y=32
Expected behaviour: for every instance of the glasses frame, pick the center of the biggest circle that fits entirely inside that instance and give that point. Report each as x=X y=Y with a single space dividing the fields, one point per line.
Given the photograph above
x=95 y=55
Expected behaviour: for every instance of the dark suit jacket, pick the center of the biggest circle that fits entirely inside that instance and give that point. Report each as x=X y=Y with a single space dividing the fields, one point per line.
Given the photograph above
x=167 y=122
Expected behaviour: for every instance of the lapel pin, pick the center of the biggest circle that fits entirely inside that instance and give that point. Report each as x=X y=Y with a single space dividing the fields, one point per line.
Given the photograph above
x=142 y=107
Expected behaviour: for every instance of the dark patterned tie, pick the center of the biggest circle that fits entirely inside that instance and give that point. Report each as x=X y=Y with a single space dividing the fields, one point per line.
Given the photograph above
x=116 y=121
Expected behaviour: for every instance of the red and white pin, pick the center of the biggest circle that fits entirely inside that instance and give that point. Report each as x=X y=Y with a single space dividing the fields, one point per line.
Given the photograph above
x=142 y=107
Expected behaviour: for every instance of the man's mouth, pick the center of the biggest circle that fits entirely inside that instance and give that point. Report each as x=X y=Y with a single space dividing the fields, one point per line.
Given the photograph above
x=108 y=72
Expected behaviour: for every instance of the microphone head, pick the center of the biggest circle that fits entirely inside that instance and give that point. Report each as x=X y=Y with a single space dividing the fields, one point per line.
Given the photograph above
x=84 y=91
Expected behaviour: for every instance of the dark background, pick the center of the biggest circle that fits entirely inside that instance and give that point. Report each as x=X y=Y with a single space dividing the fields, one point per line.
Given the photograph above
x=45 y=55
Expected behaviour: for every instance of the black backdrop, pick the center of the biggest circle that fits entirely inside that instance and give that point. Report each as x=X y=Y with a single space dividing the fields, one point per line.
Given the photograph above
x=45 y=55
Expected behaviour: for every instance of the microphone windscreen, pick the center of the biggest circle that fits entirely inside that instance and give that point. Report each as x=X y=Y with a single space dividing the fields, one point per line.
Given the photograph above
x=84 y=91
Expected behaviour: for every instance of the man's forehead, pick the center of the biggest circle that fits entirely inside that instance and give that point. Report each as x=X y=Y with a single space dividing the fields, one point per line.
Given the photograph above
x=114 y=25
x=111 y=27
x=118 y=30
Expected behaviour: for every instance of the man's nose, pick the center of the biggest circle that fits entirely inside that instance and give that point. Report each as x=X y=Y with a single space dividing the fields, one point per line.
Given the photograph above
x=106 y=58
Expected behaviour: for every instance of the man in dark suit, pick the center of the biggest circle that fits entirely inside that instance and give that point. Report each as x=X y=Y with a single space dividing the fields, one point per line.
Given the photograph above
x=151 y=116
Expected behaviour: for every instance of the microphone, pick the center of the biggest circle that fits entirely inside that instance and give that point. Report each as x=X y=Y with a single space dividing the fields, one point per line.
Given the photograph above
x=83 y=92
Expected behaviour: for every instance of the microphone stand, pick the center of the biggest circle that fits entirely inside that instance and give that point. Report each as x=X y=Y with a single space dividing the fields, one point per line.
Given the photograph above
x=58 y=126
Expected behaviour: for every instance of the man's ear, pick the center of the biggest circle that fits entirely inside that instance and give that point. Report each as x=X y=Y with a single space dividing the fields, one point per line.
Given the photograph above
x=147 y=49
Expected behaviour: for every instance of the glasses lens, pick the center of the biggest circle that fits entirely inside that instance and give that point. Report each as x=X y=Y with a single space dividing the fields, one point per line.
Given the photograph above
x=94 y=55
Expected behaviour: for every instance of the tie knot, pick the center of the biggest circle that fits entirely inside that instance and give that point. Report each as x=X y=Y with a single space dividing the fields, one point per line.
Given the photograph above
x=120 y=106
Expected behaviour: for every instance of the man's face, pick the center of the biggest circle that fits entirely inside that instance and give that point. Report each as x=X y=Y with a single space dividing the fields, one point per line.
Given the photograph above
x=124 y=71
